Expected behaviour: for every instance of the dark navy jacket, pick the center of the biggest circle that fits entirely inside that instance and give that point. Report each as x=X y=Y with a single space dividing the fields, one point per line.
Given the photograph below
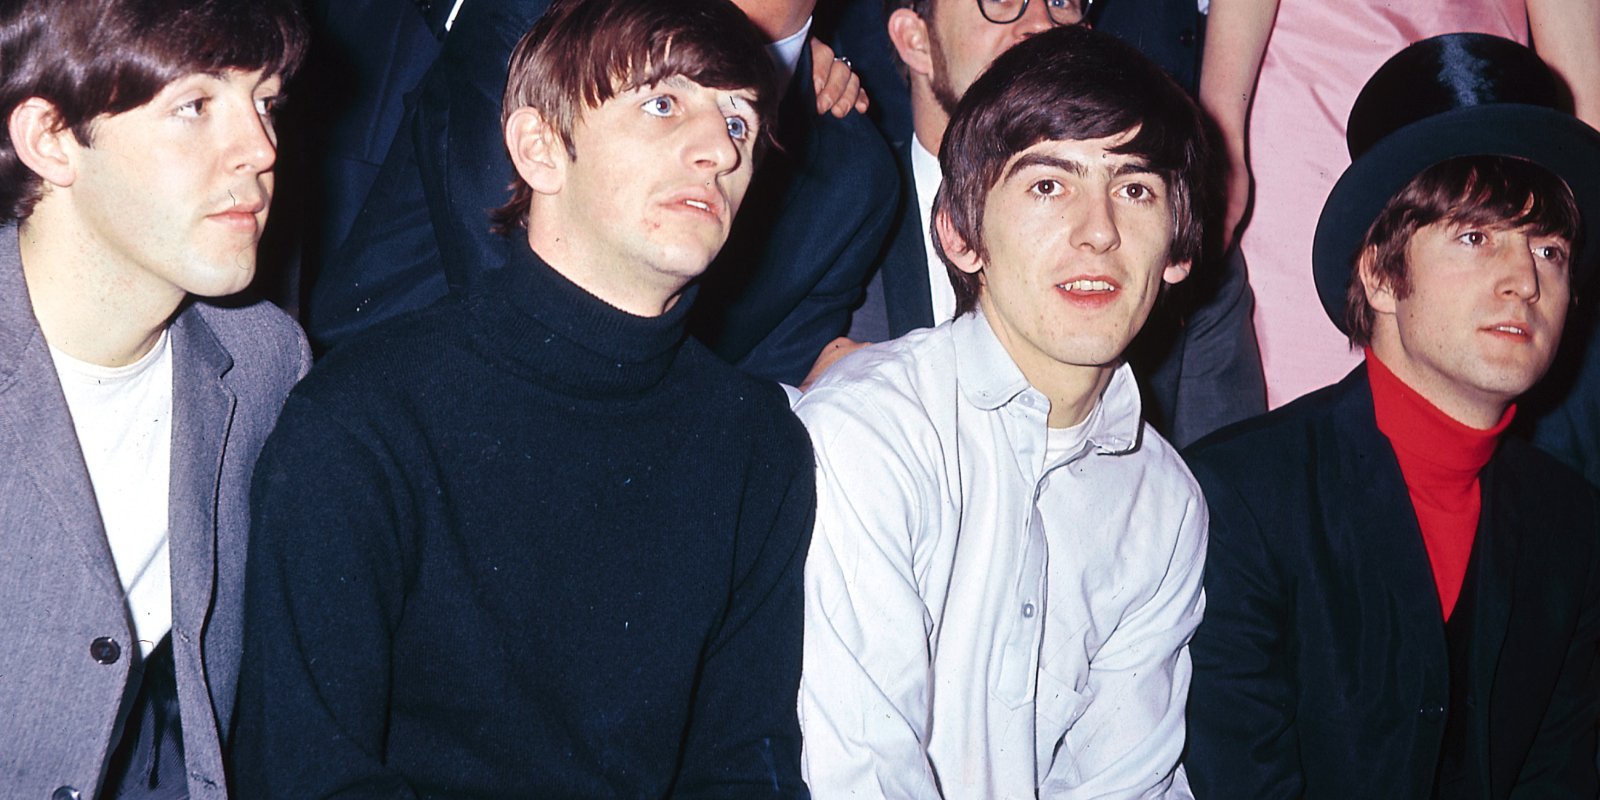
x=1321 y=668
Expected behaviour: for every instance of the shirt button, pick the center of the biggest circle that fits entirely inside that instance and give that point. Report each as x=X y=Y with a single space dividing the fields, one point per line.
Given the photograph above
x=1027 y=610
x=65 y=793
x=105 y=650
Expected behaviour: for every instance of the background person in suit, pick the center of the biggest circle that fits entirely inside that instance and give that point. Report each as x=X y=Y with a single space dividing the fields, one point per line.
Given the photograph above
x=1198 y=366
x=1402 y=602
x=135 y=174
x=782 y=288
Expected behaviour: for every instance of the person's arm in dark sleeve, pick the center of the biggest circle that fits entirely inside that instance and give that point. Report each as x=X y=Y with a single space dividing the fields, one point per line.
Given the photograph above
x=744 y=737
x=1562 y=760
x=1242 y=738
x=324 y=591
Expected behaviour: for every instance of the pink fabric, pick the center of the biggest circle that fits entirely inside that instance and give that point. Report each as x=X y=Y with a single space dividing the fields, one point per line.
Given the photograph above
x=1320 y=55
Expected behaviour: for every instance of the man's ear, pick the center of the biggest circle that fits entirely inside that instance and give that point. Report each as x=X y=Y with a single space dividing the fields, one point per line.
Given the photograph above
x=908 y=31
x=955 y=246
x=1176 y=273
x=42 y=143
x=1380 y=292
x=536 y=151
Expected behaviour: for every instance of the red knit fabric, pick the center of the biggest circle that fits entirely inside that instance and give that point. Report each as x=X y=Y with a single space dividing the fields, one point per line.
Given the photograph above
x=1440 y=459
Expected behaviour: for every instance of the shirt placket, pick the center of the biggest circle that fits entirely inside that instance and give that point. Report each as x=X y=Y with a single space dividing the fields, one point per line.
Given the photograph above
x=1024 y=625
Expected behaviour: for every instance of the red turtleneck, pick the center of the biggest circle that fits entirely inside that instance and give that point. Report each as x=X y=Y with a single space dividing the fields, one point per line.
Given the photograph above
x=1440 y=459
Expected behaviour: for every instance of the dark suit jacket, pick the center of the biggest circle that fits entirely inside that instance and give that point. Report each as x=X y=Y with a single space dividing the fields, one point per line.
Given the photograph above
x=1563 y=416
x=1320 y=669
x=59 y=590
x=1169 y=32
x=811 y=223
x=370 y=55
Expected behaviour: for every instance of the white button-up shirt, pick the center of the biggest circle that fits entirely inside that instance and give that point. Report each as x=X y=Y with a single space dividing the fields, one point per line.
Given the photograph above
x=984 y=620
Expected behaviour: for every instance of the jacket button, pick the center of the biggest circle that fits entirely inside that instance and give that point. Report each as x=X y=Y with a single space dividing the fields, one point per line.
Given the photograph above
x=1432 y=713
x=106 y=651
x=65 y=793
x=1186 y=38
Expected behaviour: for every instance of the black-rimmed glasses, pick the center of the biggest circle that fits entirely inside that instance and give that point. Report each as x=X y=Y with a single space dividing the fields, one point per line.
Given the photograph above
x=1062 y=12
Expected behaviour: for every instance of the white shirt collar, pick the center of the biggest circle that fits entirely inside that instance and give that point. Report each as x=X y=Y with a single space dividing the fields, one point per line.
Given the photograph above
x=926 y=177
x=786 y=54
x=989 y=379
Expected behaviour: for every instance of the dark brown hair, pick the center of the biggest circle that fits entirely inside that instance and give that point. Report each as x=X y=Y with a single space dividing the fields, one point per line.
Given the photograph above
x=1471 y=191
x=1068 y=83
x=90 y=58
x=581 y=53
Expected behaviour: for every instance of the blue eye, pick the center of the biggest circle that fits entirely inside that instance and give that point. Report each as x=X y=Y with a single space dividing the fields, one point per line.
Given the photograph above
x=738 y=129
x=659 y=106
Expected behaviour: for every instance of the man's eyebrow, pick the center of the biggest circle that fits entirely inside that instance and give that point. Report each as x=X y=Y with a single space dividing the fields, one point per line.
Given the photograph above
x=1134 y=167
x=1042 y=160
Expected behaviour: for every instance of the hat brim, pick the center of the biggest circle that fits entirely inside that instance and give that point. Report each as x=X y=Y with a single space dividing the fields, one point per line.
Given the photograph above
x=1552 y=139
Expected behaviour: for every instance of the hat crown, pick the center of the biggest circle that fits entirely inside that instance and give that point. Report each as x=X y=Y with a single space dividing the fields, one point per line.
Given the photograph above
x=1446 y=73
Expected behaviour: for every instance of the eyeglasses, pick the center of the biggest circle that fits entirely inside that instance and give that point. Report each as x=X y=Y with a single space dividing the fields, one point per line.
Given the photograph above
x=1062 y=12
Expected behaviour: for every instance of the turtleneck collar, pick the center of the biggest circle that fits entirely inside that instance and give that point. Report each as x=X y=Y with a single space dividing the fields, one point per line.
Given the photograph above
x=569 y=340
x=1414 y=424
x=1440 y=459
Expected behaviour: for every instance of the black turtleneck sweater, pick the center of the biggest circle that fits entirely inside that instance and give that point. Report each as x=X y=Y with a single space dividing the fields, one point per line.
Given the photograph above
x=524 y=544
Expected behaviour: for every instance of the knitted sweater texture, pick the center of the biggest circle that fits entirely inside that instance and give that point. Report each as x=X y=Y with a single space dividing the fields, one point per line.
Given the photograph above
x=525 y=544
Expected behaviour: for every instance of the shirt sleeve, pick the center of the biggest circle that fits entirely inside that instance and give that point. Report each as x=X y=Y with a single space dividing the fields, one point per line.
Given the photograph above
x=1130 y=736
x=865 y=703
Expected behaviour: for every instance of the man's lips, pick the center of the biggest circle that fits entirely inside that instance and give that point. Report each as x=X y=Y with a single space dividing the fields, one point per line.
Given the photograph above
x=697 y=201
x=1516 y=331
x=242 y=215
x=1090 y=290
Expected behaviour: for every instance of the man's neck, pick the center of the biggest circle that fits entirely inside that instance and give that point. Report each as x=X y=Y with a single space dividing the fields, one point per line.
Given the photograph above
x=1466 y=405
x=1072 y=390
x=83 y=310
x=928 y=118
x=777 y=19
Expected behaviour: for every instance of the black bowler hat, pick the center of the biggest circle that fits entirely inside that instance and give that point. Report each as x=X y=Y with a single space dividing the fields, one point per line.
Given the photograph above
x=1461 y=94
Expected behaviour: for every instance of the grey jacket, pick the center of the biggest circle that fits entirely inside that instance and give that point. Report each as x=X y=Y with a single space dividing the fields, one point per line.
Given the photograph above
x=60 y=684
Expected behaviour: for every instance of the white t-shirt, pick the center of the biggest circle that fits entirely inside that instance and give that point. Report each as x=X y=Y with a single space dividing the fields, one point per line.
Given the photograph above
x=123 y=417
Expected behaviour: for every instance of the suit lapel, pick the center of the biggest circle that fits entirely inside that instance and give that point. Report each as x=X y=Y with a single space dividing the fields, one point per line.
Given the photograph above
x=907 y=297
x=1497 y=567
x=202 y=413
x=37 y=427
x=1374 y=509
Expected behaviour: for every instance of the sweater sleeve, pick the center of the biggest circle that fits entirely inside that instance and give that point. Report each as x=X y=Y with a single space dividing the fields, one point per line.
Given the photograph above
x=744 y=738
x=323 y=594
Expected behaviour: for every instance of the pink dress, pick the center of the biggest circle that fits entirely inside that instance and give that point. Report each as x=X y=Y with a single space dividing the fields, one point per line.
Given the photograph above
x=1319 y=56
